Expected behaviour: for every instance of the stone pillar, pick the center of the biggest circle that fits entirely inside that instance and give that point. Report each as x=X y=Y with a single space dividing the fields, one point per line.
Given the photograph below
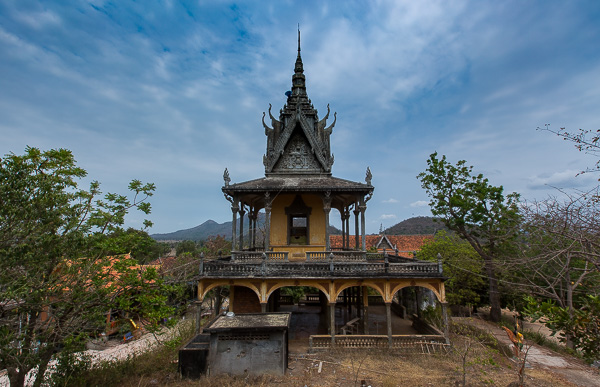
x=263 y=307
x=365 y=291
x=419 y=300
x=347 y=217
x=234 y=209
x=356 y=241
x=359 y=301
x=327 y=210
x=250 y=227
x=388 y=314
x=332 y=322
x=254 y=228
x=241 y=239
x=350 y=301
x=343 y=227
x=363 y=208
x=267 y=220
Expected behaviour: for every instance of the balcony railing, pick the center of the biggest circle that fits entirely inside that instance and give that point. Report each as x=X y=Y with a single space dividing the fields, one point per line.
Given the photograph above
x=310 y=269
x=336 y=255
x=402 y=343
x=257 y=256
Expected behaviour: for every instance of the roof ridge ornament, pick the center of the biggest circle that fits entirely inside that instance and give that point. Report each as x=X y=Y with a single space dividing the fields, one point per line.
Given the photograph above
x=369 y=176
x=226 y=177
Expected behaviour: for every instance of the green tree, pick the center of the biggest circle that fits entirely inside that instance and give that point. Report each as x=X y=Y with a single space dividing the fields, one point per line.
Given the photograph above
x=216 y=245
x=582 y=325
x=57 y=283
x=462 y=265
x=476 y=210
x=137 y=242
x=186 y=247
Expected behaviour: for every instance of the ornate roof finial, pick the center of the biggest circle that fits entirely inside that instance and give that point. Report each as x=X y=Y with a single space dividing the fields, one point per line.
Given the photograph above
x=369 y=176
x=298 y=39
x=226 y=177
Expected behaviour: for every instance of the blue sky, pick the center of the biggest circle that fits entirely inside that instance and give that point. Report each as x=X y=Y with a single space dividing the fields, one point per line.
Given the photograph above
x=173 y=92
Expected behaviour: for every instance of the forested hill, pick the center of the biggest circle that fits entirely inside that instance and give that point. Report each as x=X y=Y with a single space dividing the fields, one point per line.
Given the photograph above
x=212 y=228
x=416 y=225
x=198 y=233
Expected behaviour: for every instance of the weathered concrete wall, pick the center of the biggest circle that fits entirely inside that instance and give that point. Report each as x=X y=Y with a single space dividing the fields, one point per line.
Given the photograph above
x=250 y=353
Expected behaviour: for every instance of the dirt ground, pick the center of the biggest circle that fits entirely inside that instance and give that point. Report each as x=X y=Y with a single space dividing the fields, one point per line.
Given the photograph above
x=381 y=368
x=542 y=358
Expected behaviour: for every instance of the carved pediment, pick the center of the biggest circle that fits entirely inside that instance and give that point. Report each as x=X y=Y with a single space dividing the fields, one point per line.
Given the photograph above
x=297 y=156
x=298 y=142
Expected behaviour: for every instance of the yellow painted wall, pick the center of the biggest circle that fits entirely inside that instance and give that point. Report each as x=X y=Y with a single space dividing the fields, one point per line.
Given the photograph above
x=279 y=225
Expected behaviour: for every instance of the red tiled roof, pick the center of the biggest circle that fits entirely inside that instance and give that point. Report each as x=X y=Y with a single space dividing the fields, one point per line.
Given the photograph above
x=401 y=242
x=170 y=263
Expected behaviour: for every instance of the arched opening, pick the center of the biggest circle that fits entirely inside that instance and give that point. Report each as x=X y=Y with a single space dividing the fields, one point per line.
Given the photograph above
x=414 y=308
x=308 y=306
x=244 y=299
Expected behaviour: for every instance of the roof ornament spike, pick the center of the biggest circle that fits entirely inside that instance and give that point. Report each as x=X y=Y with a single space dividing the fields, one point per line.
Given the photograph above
x=226 y=178
x=298 y=39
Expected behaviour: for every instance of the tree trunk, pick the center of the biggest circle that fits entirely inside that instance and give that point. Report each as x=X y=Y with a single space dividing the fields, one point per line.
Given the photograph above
x=16 y=376
x=569 y=337
x=43 y=365
x=217 y=307
x=495 y=309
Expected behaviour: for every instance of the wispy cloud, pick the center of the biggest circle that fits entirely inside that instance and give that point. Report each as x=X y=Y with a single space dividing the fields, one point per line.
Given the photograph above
x=174 y=92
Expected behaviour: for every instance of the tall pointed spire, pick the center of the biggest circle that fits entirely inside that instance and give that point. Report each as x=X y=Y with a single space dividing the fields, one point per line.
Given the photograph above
x=298 y=143
x=298 y=39
x=298 y=79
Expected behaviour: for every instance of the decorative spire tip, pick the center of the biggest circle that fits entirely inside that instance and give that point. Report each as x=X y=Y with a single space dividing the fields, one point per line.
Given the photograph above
x=298 y=39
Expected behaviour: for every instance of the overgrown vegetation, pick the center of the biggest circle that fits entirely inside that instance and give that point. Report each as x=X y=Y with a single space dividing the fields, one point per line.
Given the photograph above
x=58 y=282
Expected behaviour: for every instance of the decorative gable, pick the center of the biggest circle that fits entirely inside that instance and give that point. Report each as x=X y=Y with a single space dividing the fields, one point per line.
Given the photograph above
x=298 y=142
x=297 y=156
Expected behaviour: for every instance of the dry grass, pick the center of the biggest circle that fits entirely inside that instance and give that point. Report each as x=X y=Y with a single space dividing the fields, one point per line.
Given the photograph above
x=349 y=368
x=485 y=365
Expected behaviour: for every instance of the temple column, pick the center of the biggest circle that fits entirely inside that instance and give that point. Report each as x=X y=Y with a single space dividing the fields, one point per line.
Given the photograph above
x=251 y=227
x=356 y=212
x=327 y=210
x=234 y=209
x=365 y=291
x=349 y=298
x=267 y=220
x=332 y=322
x=418 y=298
x=342 y=211
x=359 y=302
x=388 y=315
x=241 y=239
x=254 y=220
x=263 y=307
x=347 y=216
x=363 y=208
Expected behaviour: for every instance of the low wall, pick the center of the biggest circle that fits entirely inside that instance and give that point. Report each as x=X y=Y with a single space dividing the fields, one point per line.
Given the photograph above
x=400 y=343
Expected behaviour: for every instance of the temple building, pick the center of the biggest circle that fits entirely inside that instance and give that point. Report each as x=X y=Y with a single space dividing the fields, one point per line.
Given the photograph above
x=294 y=249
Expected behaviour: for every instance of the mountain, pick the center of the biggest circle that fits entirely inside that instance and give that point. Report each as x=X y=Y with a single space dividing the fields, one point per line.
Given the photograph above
x=416 y=225
x=198 y=233
x=212 y=228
